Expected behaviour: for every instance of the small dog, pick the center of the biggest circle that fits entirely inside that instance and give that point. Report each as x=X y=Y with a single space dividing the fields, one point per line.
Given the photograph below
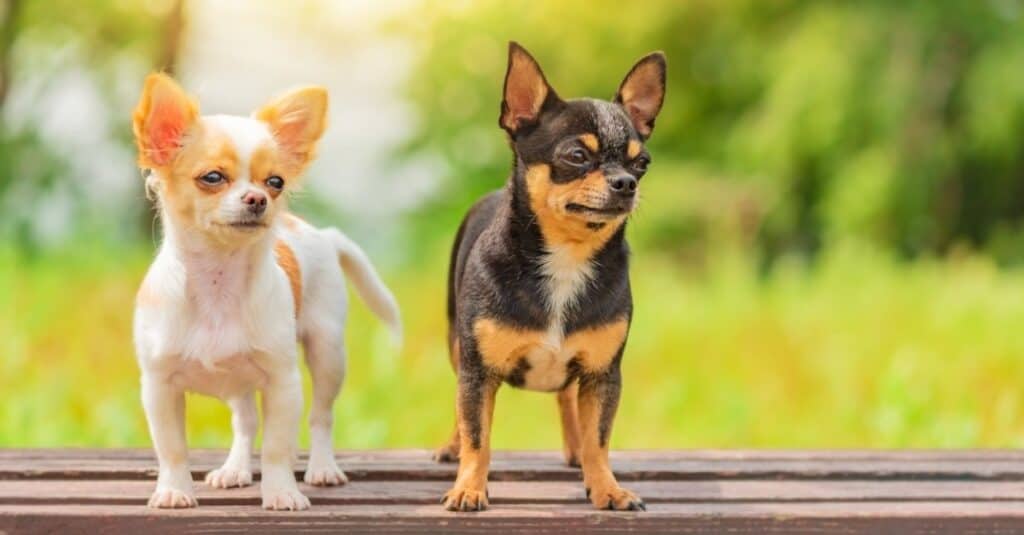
x=538 y=287
x=238 y=281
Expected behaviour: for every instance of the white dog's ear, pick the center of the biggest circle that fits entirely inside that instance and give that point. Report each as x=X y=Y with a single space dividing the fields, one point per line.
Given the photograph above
x=161 y=120
x=297 y=119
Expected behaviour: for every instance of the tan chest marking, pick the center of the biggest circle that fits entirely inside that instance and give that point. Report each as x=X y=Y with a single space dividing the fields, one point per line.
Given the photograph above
x=286 y=259
x=505 y=348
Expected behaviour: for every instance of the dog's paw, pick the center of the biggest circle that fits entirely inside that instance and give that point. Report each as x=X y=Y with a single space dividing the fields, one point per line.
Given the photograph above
x=571 y=458
x=226 y=477
x=324 y=474
x=285 y=500
x=449 y=453
x=166 y=498
x=615 y=498
x=463 y=498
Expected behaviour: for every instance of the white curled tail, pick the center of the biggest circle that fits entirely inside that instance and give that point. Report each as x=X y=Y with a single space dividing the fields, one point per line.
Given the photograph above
x=368 y=284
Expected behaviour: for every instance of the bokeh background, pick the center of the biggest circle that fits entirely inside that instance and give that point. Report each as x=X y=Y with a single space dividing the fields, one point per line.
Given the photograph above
x=828 y=251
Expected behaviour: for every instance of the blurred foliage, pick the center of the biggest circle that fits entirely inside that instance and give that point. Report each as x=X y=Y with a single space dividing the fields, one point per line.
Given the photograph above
x=41 y=43
x=811 y=123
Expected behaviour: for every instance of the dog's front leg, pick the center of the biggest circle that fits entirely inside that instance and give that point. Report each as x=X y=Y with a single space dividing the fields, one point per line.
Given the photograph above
x=598 y=401
x=282 y=409
x=165 y=413
x=475 y=408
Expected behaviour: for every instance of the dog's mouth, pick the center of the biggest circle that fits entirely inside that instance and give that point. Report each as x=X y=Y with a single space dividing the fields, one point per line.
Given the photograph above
x=608 y=211
x=245 y=225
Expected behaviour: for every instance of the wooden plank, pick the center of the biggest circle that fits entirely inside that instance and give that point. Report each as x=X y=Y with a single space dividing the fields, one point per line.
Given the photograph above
x=742 y=518
x=548 y=466
x=517 y=492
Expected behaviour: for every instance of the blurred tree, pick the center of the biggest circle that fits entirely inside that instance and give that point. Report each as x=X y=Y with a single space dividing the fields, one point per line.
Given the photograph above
x=894 y=123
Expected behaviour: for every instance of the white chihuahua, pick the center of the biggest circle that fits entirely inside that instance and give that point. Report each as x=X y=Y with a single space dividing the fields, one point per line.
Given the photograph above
x=236 y=284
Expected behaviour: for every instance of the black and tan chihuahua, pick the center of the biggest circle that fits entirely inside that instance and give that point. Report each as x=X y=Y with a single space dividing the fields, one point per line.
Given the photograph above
x=538 y=287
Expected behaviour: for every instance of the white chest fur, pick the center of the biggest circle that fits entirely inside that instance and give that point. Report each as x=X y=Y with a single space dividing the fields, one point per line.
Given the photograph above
x=216 y=326
x=567 y=278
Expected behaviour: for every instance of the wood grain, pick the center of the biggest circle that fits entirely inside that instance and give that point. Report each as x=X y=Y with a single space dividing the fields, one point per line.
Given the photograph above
x=396 y=491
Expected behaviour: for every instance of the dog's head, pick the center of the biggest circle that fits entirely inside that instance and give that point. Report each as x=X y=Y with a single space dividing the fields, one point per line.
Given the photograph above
x=584 y=158
x=224 y=176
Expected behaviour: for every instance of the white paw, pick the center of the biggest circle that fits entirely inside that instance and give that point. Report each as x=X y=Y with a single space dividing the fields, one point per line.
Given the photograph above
x=226 y=477
x=285 y=500
x=165 y=498
x=324 y=474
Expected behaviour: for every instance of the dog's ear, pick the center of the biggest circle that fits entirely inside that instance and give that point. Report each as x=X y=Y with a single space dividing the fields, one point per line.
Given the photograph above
x=643 y=91
x=297 y=119
x=161 y=120
x=526 y=91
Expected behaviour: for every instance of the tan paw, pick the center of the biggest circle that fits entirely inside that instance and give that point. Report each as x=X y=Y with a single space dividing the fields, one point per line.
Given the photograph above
x=572 y=459
x=172 y=499
x=449 y=453
x=462 y=498
x=226 y=477
x=615 y=498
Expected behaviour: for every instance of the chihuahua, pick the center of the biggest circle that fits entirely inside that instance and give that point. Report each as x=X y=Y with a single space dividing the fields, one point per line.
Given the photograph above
x=237 y=283
x=538 y=286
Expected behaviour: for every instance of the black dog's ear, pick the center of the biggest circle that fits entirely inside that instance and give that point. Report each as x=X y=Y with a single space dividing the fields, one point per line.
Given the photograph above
x=526 y=91
x=643 y=91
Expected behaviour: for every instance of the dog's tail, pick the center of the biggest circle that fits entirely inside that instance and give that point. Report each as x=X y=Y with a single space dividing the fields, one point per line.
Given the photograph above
x=368 y=284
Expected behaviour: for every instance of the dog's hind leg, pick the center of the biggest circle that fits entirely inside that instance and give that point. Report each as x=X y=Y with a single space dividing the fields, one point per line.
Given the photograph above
x=567 y=408
x=449 y=452
x=325 y=356
x=237 y=469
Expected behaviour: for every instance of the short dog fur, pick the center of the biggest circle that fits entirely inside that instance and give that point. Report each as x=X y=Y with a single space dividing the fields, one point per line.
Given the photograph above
x=238 y=281
x=538 y=293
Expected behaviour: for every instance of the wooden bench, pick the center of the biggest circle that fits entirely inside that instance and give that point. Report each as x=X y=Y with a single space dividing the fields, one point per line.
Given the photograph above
x=105 y=491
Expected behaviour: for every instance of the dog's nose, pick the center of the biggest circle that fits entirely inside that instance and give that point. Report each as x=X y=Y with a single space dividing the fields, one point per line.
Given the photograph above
x=256 y=201
x=624 y=185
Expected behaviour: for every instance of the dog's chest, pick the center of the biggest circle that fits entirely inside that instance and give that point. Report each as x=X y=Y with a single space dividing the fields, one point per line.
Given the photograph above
x=540 y=359
x=223 y=378
x=566 y=277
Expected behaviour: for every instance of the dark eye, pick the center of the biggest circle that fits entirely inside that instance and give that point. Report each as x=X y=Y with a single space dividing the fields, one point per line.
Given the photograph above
x=640 y=164
x=275 y=182
x=577 y=156
x=212 y=178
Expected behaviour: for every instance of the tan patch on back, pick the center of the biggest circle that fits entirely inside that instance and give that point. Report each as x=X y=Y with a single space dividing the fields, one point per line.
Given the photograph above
x=560 y=228
x=286 y=259
x=633 y=149
x=590 y=141
x=594 y=348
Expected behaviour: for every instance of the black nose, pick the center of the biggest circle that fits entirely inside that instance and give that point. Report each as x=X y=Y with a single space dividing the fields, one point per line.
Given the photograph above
x=257 y=202
x=624 y=185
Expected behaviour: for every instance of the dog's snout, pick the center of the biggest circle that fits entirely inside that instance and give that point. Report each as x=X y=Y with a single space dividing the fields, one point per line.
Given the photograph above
x=623 y=185
x=255 y=201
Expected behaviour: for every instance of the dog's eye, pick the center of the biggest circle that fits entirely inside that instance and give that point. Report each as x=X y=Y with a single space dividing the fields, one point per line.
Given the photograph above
x=640 y=164
x=577 y=156
x=212 y=178
x=275 y=182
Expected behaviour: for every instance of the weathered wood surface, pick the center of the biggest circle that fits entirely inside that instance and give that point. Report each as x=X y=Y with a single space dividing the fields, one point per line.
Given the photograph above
x=105 y=491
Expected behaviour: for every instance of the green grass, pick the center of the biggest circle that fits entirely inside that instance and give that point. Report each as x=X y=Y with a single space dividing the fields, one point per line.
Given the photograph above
x=860 y=350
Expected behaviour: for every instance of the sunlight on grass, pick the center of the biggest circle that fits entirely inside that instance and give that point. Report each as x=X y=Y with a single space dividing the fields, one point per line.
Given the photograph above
x=859 y=351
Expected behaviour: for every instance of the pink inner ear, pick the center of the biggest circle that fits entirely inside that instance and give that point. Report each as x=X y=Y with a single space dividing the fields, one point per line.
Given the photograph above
x=166 y=128
x=291 y=133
